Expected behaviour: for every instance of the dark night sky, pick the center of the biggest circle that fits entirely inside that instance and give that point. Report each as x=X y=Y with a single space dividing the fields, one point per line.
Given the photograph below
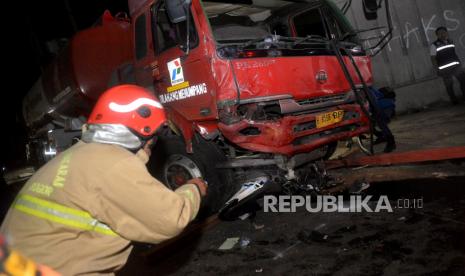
x=29 y=25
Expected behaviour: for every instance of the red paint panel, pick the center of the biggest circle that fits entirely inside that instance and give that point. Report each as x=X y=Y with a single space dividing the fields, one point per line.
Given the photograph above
x=97 y=52
x=82 y=71
x=258 y=77
x=197 y=71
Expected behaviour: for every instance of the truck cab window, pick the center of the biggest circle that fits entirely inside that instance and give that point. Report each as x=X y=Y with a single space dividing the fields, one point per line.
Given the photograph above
x=339 y=29
x=167 y=34
x=141 y=37
x=333 y=25
x=309 y=23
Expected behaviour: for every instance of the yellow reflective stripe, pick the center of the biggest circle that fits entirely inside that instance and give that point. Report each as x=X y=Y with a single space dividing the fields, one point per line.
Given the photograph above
x=55 y=206
x=60 y=214
x=67 y=222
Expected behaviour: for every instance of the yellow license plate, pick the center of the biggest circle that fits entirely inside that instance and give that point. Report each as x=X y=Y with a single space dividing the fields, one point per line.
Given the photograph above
x=329 y=118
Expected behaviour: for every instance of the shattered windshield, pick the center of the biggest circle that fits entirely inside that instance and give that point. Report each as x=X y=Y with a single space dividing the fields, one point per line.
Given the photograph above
x=238 y=22
x=277 y=28
x=254 y=21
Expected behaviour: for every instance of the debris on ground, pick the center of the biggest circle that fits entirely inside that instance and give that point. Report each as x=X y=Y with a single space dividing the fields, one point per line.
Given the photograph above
x=281 y=254
x=244 y=242
x=244 y=216
x=309 y=236
x=429 y=240
x=346 y=229
x=321 y=226
x=229 y=243
x=258 y=226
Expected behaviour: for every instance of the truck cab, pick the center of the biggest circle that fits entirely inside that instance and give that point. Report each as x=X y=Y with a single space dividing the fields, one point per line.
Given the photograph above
x=262 y=75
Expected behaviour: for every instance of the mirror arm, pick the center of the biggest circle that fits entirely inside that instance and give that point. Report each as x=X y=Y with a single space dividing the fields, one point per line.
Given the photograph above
x=188 y=31
x=388 y=36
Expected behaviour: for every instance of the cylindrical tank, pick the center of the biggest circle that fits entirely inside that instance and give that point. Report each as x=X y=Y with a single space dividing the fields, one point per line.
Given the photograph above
x=80 y=73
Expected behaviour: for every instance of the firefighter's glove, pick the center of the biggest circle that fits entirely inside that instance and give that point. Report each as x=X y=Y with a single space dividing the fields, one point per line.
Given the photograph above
x=201 y=185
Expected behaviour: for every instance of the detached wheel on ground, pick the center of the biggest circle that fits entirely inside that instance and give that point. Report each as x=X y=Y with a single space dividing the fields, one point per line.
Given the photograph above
x=172 y=165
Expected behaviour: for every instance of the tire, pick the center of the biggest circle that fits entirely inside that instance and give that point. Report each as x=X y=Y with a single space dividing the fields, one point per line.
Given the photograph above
x=172 y=165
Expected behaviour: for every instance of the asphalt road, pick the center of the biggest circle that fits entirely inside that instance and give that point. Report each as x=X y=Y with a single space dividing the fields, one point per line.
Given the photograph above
x=421 y=241
x=409 y=241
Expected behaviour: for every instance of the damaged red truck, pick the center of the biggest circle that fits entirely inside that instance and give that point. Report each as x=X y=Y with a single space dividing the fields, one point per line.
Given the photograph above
x=249 y=87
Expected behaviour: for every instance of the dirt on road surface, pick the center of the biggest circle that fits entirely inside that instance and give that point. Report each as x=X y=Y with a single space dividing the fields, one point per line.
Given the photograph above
x=409 y=241
x=432 y=128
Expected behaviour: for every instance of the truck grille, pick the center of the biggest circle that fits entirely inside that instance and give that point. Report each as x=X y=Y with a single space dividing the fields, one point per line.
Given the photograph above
x=323 y=99
x=289 y=106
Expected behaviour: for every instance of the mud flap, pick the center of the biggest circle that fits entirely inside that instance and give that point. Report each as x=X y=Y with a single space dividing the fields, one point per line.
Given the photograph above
x=244 y=200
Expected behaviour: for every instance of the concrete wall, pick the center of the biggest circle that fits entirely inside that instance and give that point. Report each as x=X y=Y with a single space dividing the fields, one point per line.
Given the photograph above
x=405 y=63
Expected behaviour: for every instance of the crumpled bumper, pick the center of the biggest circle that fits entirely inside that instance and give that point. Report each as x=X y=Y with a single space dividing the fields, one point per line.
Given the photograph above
x=292 y=135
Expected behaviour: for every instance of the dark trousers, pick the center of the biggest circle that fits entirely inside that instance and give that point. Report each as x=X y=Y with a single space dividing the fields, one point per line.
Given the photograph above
x=382 y=122
x=459 y=74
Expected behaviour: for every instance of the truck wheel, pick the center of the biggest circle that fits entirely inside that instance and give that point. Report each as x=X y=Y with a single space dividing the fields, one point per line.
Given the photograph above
x=173 y=166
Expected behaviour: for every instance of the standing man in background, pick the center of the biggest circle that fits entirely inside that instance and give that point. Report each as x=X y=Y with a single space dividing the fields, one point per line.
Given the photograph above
x=447 y=62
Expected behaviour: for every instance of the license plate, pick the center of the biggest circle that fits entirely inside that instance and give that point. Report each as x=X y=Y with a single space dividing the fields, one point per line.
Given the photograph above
x=329 y=118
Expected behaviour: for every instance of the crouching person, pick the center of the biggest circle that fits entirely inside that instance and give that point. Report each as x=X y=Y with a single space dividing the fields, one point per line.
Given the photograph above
x=79 y=213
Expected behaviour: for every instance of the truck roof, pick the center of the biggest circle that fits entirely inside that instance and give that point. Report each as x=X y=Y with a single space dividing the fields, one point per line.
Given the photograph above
x=135 y=5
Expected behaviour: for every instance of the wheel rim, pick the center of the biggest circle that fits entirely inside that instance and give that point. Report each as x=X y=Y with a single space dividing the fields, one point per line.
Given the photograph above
x=361 y=143
x=178 y=169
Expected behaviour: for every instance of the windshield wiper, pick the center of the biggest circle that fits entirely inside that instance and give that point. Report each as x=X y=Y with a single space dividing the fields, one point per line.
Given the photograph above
x=268 y=38
x=311 y=38
x=347 y=35
x=273 y=40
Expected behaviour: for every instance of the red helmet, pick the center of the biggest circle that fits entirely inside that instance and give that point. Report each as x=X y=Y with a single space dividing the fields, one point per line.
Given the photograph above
x=132 y=106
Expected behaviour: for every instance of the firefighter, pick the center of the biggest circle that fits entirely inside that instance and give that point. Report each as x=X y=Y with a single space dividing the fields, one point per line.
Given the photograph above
x=80 y=211
x=447 y=62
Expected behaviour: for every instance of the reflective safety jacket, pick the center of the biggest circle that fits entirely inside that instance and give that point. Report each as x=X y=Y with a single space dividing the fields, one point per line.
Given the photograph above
x=80 y=211
x=446 y=57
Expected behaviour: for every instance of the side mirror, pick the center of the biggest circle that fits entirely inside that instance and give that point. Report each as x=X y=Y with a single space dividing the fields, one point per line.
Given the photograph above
x=177 y=11
x=370 y=9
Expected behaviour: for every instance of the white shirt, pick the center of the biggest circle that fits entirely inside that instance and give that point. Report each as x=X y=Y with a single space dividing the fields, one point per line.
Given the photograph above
x=432 y=50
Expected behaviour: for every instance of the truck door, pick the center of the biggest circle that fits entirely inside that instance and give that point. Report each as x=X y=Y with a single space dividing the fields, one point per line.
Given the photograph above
x=183 y=82
x=144 y=58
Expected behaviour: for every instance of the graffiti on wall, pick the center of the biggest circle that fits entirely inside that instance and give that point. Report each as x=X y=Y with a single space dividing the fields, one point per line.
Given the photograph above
x=409 y=34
